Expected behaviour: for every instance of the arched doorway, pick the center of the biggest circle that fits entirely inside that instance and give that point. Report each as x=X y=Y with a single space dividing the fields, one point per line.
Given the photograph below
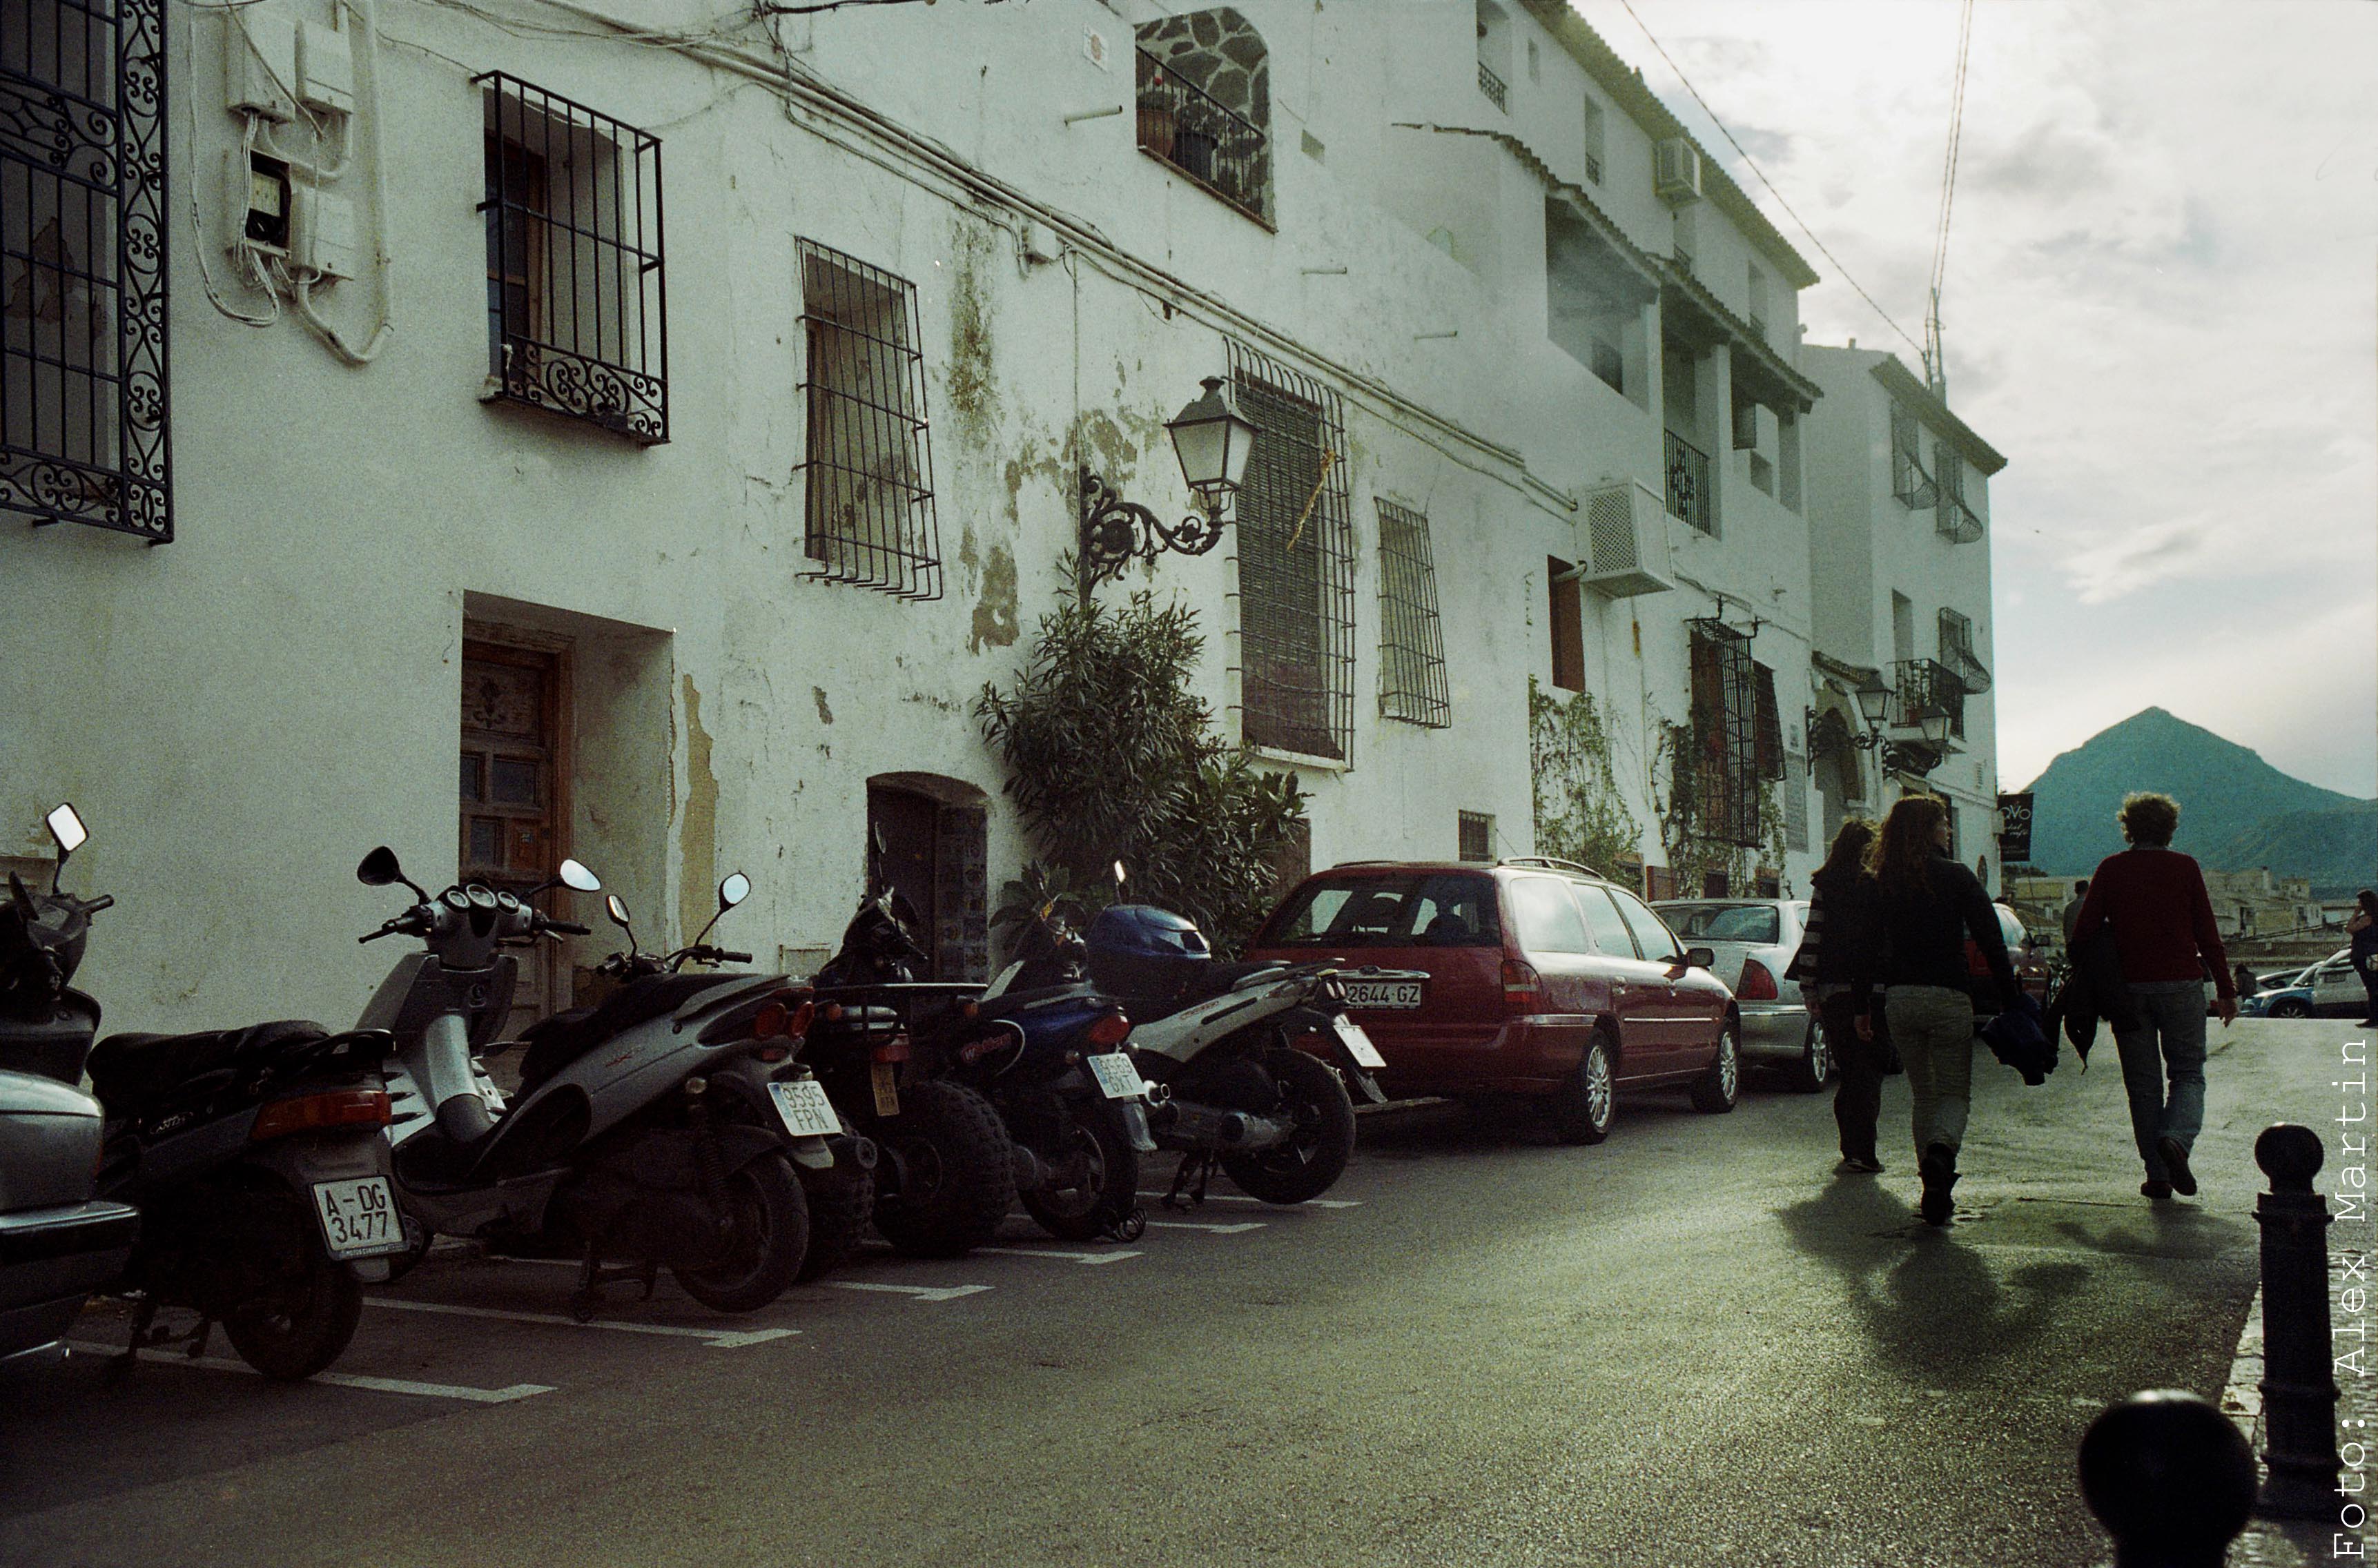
x=935 y=833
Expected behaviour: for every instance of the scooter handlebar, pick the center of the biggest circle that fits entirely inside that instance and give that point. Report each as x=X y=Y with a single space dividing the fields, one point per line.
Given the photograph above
x=722 y=956
x=569 y=927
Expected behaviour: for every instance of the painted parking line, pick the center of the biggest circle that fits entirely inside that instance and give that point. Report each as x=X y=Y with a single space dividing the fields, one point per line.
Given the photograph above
x=1308 y=1204
x=1244 y=1225
x=337 y=1380
x=922 y=1292
x=716 y=1339
x=1114 y=1257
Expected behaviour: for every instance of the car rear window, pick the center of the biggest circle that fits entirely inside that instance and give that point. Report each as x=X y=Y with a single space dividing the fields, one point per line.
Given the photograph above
x=1724 y=922
x=1546 y=916
x=1422 y=909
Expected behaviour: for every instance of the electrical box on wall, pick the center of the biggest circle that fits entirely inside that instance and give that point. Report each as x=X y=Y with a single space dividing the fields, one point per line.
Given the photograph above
x=326 y=70
x=258 y=201
x=321 y=232
x=260 y=64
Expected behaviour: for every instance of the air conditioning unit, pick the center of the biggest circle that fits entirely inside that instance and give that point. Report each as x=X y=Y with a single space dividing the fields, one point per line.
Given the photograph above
x=1677 y=178
x=1623 y=542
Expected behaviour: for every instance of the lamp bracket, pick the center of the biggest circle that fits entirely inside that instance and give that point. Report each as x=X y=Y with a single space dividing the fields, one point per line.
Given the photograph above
x=1116 y=532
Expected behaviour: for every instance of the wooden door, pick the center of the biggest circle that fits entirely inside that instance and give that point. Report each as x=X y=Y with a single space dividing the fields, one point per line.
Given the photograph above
x=513 y=795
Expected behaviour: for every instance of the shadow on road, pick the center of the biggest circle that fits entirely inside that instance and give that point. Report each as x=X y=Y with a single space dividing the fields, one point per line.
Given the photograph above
x=1930 y=1305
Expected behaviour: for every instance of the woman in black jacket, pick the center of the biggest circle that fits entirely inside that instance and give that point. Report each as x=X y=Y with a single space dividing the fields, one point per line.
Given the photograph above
x=1842 y=941
x=1929 y=904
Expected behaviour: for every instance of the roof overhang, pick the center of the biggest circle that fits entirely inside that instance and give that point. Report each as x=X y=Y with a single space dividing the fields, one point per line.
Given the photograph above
x=1928 y=407
x=1690 y=313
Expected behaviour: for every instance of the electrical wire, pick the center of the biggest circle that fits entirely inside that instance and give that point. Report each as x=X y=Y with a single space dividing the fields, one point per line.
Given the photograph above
x=1935 y=371
x=197 y=224
x=1750 y=164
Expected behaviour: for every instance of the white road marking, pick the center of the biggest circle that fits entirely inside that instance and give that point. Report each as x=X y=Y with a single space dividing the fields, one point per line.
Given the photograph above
x=1216 y=1229
x=922 y=1292
x=717 y=1339
x=1308 y=1204
x=1115 y=1257
x=339 y=1380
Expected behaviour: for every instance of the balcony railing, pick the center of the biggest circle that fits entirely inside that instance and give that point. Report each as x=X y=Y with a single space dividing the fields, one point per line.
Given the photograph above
x=1956 y=521
x=1688 y=482
x=1593 y=168
x=1203 y=138
x=1926 y=689
x=1492 y=86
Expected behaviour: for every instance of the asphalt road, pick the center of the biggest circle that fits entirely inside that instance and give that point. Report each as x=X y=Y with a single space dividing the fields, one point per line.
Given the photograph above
x=1691 y=1345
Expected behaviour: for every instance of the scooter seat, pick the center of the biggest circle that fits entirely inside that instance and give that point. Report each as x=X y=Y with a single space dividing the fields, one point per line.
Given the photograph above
x=1200 y=982
x=130 y=1069
x=554 y=1043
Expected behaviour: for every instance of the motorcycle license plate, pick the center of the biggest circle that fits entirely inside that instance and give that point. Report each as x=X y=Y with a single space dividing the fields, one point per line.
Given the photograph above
x=807 y=1113
x=1383 y=996
x=887 y=1089
x=1118 y=1079
x=1358 y=1045
x=358 y=1219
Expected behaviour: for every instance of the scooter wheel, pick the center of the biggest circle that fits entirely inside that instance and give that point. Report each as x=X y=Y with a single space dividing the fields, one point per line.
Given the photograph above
x=1315 y=1154
x=771 y=1234
x=303 y=1327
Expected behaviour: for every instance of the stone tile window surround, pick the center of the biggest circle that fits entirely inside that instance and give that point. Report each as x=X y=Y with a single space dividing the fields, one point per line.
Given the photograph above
x=1205 y=105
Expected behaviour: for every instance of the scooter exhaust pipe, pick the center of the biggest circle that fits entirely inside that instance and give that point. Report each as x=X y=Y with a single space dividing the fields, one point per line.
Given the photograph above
x=1192 y=1126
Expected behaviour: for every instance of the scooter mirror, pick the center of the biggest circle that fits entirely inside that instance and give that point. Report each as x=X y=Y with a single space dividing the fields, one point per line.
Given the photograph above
x=734 y=891
x=616 y=908
x=579 y=876
x=66 y=826
x=379 y=869
x=1119 y=876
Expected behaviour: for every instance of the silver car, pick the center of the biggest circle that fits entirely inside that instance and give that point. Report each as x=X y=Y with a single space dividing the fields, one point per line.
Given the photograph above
x=1754 y=939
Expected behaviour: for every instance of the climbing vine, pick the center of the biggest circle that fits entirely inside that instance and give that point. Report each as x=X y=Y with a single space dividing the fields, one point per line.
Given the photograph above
x=1693 y=834
x=1580 y=815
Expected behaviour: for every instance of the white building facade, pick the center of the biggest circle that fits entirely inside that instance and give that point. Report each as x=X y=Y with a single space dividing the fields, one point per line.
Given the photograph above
x=675 y=422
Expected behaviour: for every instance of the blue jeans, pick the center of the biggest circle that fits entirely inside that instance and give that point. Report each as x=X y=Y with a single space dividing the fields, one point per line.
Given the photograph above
x=2170 y=1032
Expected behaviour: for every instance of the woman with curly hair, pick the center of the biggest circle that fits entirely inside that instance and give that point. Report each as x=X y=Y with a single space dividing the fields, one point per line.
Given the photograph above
x=1928 y=904
x=2154 y=899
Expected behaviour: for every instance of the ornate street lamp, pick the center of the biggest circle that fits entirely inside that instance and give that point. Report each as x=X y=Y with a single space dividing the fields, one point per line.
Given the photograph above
x=1211 y=438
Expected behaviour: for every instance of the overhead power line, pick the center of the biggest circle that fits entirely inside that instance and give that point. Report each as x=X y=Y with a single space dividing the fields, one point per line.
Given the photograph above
x=1935 y=367
x=1752 y=164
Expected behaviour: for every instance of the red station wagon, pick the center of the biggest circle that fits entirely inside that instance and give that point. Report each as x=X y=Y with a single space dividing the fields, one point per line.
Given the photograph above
x=1545 y=980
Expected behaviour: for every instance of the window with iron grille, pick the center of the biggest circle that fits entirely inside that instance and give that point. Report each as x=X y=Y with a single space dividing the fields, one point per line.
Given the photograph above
x=577 y=315
x=868 y=517
x=1412 y=637
x=1721 y=746
x=82 y=265
x=1909 y=481
x=1474 y=835
x=1296 y=563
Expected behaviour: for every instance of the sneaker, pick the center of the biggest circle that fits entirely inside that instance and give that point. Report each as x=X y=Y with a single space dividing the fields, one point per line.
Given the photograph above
x=1939 y=1168
x=2174 y=1160
x=1853 y=1165
x=2151 y=1188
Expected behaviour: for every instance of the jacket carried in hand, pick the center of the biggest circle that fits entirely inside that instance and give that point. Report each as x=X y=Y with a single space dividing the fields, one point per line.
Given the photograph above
x=2092 y=990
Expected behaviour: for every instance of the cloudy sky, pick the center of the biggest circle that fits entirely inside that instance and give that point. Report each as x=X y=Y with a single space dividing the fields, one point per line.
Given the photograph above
x=2161 y=304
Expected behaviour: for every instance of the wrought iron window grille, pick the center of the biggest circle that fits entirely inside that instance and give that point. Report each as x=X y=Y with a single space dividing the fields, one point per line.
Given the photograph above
x=1688 y=482
x=1219 y=149
x=1954 y=519
x=1722 y=744
x=1474 y=835
x=869 y=517
x=576 y=310
x=1412 y=685
x=83 y=386
x=1957 y=653
x=1910 y=483
x=1296 y=563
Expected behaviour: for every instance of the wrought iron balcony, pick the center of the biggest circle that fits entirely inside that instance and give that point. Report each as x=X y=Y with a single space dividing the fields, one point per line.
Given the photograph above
x=1688 y=482
x=1203 y=138
x=1956 y=521
x=1926 y=688
x=1914 y=488
x=1593 y=168
x=1492 y=86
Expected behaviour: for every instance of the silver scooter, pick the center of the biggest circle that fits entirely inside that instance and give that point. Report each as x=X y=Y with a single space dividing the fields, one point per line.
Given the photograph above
x=658 y=1128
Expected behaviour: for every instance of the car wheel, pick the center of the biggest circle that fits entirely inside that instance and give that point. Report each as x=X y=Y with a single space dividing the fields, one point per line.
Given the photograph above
x=1808 y=1074
x=1587 y=1100
x=1716 y=1091
x=2293 y=1007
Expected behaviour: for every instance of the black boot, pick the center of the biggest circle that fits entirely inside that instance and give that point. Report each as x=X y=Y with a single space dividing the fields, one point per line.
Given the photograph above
x=1939 y=1168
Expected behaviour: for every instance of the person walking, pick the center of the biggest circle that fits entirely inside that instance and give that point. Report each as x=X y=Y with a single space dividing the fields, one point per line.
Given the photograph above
x=2073 y=913
x=1839 y=943
x=2154 y=899
x=2243 y=978
x=2364 y=929
x=1929 y=906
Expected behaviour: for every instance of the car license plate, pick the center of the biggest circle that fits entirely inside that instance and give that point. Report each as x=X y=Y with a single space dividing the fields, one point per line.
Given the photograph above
x=1383 y=996
x=1358 y=1044
x=1118 y=1079
x=886 y=1083
x=358 y=1219
x=806 y=1112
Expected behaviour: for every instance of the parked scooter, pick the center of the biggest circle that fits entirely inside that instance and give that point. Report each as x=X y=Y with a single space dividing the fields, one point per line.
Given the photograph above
x=648 y=1149
x=945 y=1175
x=1043 y=1045
x=1225 y=1042
x=254 y=1156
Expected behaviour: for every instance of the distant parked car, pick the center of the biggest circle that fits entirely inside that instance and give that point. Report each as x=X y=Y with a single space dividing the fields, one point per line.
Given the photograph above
x=1545 y=980
x=2031 y=970
x=2327 y=989
x=1754 y=939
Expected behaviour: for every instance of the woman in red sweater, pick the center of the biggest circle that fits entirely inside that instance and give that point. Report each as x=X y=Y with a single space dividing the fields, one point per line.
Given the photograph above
x=2154 y=901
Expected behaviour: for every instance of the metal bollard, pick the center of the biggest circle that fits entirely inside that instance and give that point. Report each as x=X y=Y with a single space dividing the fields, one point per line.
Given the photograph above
x=2298 y=1385
x=2170 y=1479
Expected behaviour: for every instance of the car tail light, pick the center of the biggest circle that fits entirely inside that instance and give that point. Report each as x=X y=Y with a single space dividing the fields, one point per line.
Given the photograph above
x=1524 y=989
x=1109 y=1029
x=1757 y=983
x=308 y=1113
